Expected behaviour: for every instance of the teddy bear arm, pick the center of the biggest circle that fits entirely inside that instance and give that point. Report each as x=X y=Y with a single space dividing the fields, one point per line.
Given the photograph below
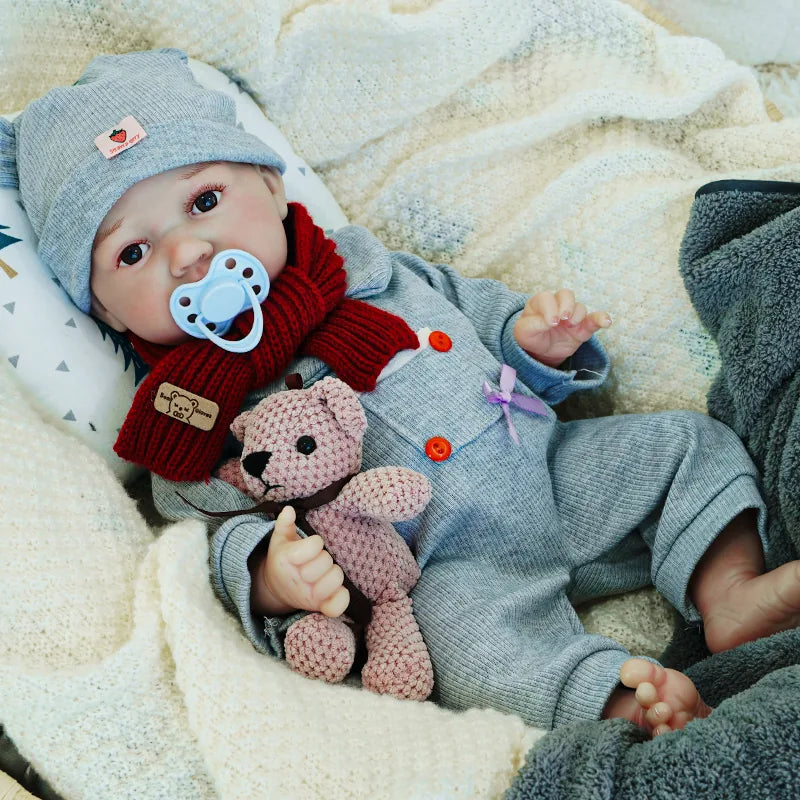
x=392 y=494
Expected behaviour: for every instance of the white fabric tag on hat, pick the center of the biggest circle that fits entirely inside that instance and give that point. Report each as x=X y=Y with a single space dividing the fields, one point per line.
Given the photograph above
x=126 y=133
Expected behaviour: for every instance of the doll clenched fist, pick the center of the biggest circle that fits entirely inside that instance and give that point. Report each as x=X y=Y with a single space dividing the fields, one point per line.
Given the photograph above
x=297 y=573
x=553 y=326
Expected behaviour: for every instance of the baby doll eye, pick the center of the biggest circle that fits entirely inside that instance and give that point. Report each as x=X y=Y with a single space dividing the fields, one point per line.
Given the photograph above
x=306 y=445
x=133 y=253
x=206 y=201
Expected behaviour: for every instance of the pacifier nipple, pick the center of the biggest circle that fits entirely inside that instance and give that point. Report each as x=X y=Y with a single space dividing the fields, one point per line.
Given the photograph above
x=236 y=281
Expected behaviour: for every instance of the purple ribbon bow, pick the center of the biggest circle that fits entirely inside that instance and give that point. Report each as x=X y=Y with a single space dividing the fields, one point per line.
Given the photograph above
x=532 y=405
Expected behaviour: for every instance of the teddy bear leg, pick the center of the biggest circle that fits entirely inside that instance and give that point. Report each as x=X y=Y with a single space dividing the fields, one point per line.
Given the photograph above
x=398 y=662
x=320 y=647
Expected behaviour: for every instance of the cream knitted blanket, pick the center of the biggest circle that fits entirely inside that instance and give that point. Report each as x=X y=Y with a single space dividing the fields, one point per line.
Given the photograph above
x=122 y=676
x=542 y=142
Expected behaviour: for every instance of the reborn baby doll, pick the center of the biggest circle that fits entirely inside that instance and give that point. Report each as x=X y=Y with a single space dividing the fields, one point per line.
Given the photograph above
x=529 y=515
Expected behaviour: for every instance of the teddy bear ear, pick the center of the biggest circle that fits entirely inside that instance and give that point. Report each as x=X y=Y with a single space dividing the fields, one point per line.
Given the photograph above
x=344 y=404
x=239 y=424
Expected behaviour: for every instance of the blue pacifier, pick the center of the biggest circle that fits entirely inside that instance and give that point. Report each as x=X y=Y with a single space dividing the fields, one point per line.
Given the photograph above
x=205 y=309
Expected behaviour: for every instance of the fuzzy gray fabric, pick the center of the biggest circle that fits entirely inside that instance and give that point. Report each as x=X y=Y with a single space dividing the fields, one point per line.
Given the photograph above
x=748 y=748
x=740 y=261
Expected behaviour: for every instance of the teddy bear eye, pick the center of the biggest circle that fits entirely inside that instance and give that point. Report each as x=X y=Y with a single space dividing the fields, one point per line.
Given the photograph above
x=306 y=445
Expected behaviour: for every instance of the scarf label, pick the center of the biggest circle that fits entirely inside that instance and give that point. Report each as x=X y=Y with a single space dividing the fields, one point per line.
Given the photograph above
x=186 y=406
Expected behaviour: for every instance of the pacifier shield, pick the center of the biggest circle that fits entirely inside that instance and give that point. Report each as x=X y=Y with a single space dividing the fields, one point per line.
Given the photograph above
x=236 y=281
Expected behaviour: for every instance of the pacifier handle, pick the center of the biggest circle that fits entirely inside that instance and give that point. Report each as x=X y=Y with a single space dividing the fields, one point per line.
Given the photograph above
x=247 y=343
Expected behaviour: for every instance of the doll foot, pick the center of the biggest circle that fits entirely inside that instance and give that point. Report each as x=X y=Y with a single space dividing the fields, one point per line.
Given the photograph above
x=398 y=662
x=320 y=647
x=666 y=699
x=760 y=606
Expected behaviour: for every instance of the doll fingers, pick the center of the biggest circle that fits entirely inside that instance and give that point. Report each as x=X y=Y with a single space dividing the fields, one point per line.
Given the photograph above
x=313 y=569
x=302 y=551
x=590 y=324
x=284 y=529
x=531 y=325
x=565 y=299
x=285 y=518
x=601 y=319
x=578 y=314
x=529 y=330
x=336 y=604
x=327 y=586
x=544 y=305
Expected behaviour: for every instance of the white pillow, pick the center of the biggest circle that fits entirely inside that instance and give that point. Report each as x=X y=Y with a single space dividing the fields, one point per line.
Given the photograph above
x=79 y=374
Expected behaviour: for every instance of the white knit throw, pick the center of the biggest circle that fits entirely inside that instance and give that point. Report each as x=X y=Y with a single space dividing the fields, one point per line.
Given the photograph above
x=546 y=143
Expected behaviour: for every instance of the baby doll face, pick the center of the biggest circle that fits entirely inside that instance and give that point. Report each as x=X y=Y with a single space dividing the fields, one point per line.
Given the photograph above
x=164 y=231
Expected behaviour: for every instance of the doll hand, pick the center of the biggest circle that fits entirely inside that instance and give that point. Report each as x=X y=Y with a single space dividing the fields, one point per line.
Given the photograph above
x=297 y=574
x=553 y=326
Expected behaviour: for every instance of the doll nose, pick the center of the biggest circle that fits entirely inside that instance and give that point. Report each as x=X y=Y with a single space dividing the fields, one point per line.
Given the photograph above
x=190 y=257
x=254 y=463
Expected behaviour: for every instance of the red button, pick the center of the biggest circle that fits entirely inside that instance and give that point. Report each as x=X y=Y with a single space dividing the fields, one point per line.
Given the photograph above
x=438 y=448
x=440 y=341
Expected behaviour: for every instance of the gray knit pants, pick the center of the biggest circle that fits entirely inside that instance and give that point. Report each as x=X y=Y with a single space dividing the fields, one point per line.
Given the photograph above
x=577 y=511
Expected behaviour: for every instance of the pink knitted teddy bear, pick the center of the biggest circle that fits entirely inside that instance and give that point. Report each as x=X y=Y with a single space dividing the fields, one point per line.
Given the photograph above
x=298 y=443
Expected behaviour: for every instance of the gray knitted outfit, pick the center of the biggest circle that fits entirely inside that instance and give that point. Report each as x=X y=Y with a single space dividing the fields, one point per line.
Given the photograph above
x=514 y=535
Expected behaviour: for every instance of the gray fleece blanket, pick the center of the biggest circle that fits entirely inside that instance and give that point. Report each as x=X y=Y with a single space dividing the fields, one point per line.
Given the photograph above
x=740 y=261
x=748 y=748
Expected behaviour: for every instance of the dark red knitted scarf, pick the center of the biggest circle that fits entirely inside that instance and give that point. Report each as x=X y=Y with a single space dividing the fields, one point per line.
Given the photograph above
x=305 y=313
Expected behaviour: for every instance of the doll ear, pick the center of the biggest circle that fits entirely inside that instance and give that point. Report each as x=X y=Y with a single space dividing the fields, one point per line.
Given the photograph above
x=344 y=404
x=274 y=182
x=239 y=425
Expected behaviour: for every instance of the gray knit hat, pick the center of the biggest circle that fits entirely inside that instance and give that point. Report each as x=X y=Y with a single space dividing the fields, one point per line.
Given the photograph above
x=67 y=184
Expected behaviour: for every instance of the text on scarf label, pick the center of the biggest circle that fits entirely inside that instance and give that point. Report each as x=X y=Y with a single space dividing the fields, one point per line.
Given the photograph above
x=186 y=406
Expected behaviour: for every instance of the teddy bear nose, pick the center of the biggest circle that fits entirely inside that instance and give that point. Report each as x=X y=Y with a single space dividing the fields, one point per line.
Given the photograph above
x=254 y=463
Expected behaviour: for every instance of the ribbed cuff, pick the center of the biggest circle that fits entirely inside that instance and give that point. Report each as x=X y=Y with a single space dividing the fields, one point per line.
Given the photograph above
x=231 y=546
x=587 y=367
x=673 y=574
x=590 y=684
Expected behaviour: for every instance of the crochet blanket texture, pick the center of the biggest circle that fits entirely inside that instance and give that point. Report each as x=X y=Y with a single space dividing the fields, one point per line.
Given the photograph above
x=549 y=143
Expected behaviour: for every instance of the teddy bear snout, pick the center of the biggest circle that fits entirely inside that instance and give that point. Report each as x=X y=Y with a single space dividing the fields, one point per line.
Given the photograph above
x=255 y=463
